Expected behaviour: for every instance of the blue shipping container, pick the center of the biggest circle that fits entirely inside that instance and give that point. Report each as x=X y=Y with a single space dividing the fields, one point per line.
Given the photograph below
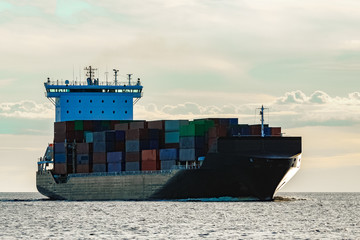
x=267 y=131
x=153 y=134
x=172 y=137
x=115 y=157
x=60 y=158
x=115 y=167
x=119 y=135
x=169 y=154
x=154 y=144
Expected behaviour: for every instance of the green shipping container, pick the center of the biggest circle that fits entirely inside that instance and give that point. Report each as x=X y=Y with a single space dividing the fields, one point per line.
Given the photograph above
x=192 y=130
x=207 y=123
x=79 y=125
x=172 y=137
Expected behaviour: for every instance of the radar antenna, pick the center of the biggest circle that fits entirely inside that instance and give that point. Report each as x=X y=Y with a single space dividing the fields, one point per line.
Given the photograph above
x=129 y=76
x=115 y=74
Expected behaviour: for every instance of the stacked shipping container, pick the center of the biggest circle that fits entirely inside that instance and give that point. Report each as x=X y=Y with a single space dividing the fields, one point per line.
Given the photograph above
x=115 y=146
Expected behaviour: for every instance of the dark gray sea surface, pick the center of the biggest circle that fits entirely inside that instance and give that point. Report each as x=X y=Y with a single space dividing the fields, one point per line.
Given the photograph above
x=290 y=216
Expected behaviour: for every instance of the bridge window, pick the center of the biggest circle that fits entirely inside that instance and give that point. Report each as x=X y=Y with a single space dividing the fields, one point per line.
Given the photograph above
x=102 y=101
x=102 y=111
x=90 y=111
x=67 y=100
x=67 y=111
x=125 y=112
x=113 y=101
x=113 y=112
x=79 y=111
x=79 y=101
x=125 y=101
x=91 y=101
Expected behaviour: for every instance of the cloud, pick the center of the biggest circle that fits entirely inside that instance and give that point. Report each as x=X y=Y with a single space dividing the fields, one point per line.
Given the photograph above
x=293 y=109
x=27 y=109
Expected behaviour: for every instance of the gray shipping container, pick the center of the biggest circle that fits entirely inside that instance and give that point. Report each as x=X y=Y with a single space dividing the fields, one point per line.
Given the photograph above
x=190 y=154
x=168 y=164
x=99 y=168
x=192 y=142
x=136 y=145
x=59 y=147
x=132 y=166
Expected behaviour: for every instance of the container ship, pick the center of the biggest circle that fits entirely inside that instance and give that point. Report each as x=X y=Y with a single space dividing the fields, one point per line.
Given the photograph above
x=99 y=152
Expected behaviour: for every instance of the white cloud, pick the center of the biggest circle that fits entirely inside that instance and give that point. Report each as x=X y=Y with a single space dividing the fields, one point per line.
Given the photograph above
x=27 y=109
x=292 y=109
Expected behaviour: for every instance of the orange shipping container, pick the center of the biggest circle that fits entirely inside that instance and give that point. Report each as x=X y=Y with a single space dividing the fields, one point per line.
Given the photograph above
x=150 y=155
x=150 y=165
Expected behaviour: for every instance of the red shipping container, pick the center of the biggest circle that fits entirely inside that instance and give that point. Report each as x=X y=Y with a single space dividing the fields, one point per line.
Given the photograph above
x=88 y=125
x=60 y=168
x=218 y=131
x=79 y=136
x=82 y=168
x=133 y=157
x=255 y=130
x=136 y=134
x=84 y=148
x=150 y=155
x=122 y=126
x=156 y=124
x=150 y=165
x=59 y=137
x=99 y=157
x=138 y=124
x=276 y=131
x=120 y=146
x=67 y=126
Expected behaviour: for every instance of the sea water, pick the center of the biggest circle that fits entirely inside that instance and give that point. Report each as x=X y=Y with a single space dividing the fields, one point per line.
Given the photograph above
x=290 y=216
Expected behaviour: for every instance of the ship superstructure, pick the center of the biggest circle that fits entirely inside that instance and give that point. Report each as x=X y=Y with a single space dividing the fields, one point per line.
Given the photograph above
x=93 y=99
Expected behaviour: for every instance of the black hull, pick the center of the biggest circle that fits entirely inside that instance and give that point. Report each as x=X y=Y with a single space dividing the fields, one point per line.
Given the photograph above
x=243 y=167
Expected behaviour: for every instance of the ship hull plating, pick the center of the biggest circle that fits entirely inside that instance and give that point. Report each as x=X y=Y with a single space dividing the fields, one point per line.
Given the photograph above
x=251 y=167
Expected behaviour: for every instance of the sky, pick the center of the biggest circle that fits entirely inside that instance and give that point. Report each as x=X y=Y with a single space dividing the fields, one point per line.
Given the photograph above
x=196 y=59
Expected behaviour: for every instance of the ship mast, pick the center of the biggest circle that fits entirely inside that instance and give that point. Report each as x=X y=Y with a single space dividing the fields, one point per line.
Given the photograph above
x=262 y=120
